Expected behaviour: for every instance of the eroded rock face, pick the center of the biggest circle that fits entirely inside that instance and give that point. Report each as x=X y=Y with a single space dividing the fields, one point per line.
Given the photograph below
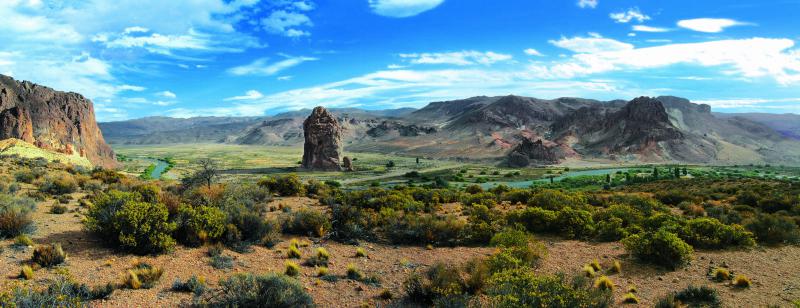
x=323 y=141
x=529 y=151
x=52 y=119
x=347 y=164
x=16 y=123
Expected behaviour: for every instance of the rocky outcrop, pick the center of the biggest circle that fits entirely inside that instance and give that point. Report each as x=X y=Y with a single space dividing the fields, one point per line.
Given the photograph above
x=396 y=128
x=51 y=119
x=16 y=123
x=529 y=151
x=323 y=141
x=347 y=164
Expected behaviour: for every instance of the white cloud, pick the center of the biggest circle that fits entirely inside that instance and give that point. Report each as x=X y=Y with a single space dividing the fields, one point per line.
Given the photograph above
x=287 y=23
x=643 y=28
x=167 y=94
x=303 y=5
x=402 y=8
x=749 y=58
x=284 y=78
x=533 y=52
x=747 y=103
x=263 y=67
x=250 y=95
x=126 y=87
x=709 y=25
x=460 y=58
x=629 y=15
x=594 y=43
x=395 y=66
x=155 y=42
x=587 y=4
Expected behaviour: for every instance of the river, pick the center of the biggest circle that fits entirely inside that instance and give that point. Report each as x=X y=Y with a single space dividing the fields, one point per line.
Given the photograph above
x=570 y=174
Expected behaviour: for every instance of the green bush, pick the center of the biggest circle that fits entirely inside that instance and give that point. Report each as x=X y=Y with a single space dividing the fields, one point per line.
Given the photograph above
x=286 y=186
x=522 y=288
x=199 y=224
x=575 y=223
x=534 y=219
x=193 y=284
x=418 y=229
x=556 y=200
x=26 y=176
x=59 y=185
x=15 y=215
x=308 y=222
x=774 y=229
x=49 y=255
x=62 y=292
x=517 y=249
x=691 y=297
x=123 y=220
x=661 y=247
x=270 y=290
x=611 y=230
x=246 y=227
x=711 y=233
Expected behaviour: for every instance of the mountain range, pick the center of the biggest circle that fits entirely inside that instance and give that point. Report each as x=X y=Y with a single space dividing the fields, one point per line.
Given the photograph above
x=513 y=129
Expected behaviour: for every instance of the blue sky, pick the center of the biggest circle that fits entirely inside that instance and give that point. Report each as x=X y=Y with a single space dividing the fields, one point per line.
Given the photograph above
x=184 y=58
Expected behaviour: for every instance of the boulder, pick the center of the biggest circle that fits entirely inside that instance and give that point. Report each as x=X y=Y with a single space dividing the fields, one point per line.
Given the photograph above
x=323 y=141
x=347 y=164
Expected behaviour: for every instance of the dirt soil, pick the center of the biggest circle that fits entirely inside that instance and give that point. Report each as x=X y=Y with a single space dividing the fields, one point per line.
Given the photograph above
x=773 y=270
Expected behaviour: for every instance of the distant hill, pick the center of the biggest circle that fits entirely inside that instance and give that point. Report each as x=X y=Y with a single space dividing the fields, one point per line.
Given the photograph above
x=787 y=124
x=661 y=129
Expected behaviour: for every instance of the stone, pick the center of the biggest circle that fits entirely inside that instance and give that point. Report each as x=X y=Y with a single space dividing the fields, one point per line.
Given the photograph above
x=52 y=120
x=347 y=164
x=534 y=151
x=323 y=141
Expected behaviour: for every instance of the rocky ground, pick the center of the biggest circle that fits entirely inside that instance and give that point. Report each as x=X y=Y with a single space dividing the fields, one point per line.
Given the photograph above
x=771 y=269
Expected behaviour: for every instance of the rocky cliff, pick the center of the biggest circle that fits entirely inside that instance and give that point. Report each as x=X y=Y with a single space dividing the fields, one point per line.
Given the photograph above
x=52 y=120
x=323 y=141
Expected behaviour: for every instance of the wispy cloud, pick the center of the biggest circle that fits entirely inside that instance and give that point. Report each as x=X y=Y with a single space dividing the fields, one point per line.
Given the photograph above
x=402 y=8
x=533 y=52
x=287 y=23
x=587 y=4
x=630 y=15
x=709 y=25
x=250 y=95
x=167 y=94
x=748 y=58
x=461 y=58
x=265 y=68
x=643 y=28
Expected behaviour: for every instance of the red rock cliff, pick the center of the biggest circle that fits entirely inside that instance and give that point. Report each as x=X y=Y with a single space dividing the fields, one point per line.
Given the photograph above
x=53 y=120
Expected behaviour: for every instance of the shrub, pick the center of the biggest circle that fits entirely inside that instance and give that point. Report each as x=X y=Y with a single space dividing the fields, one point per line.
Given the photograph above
x=200 y=224
x=741 y=281
x=293 y=252
x=308 y=222
x=61 y=292
x=123 y=220
x=286 y=186
x=517 y=249
x=221 y=261
x=353 y=272
x=59 y=185
x=534 y=219
x=23 y=240
x=142 y=275
x=711 y=233
x=385 y=294
x=522 y=288
x=630 y=298
x=691 y=296
x=774 y=229
x=270 y=290
x=588 y=270
x=556 y=200
x=596 y=265
x=247 y=227
x=322 y=271
x=611 y=230
x=15 y=215
x=58 y=209
x=604 y=283
x=575 y=223
x=720 y=274
x=193 y=284
x=616 y=268
x=26 y=272
x=661 y=247
x=49 y=255
x=292 y=269
x=321 y=258
x=360 y=252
